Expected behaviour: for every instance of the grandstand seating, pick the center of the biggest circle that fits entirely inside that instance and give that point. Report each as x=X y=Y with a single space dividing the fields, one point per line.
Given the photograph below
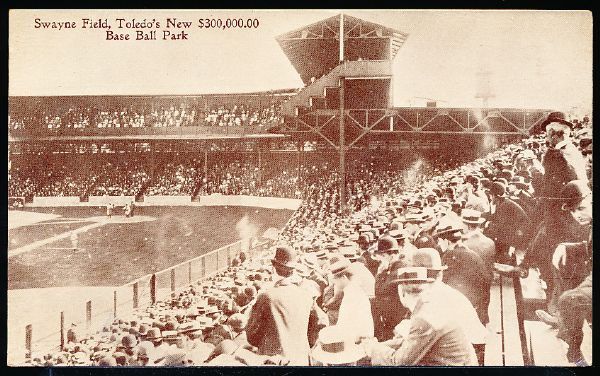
x=513 y=340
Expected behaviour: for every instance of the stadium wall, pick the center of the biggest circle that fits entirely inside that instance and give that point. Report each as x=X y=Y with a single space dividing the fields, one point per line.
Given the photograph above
x=212 y=200
x=254 y=201
x=54 y=201
x=166 y=201
x=103 y=200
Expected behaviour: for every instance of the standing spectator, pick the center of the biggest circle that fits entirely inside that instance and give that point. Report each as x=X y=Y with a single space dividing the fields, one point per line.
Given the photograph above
x=562 y=162
x=507 y=224
x=475 y=240
x=279 y=321
x=564 y=270
x=466 y=271
x=388 y=311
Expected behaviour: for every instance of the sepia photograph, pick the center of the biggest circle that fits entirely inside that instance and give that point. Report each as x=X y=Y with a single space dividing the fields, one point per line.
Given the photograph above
x=315 y=188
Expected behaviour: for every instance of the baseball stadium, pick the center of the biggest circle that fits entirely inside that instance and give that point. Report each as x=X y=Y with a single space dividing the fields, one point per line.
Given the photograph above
x=312 y=226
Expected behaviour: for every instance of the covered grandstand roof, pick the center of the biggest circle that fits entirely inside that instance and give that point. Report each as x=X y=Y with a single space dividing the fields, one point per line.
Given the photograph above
x=313 y=49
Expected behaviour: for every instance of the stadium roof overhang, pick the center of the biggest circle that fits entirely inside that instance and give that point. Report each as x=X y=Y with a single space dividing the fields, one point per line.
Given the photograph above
x=313 y=50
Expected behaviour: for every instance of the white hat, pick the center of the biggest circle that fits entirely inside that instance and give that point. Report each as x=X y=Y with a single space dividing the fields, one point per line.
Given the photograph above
x=336 y=347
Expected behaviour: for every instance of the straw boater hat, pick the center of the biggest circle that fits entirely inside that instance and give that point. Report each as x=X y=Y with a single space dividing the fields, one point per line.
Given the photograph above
x=340 y=266
x=398 y=234
x=448 y=228
x=412 y=274
x=471 y=216
x=335 y=347
x=424 y=267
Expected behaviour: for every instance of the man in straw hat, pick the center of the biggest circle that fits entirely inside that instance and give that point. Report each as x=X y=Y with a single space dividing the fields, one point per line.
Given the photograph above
x=474 y=239
x=439 y=333
x=278 y=323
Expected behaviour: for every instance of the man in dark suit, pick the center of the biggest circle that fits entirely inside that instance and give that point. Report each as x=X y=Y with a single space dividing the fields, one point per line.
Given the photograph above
x=467 y=272
x=366 y=257
x=563 y=162
x=561 y=269
x=508 y=224
x=278 y=323
x=386 y=306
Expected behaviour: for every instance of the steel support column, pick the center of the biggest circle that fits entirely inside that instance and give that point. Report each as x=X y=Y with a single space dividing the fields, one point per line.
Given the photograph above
x=259 y=165
x=206 y=164
x=342 y=149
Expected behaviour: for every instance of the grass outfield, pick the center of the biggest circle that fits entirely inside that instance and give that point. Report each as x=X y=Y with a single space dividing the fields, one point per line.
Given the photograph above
x=113 y=254
x=22 y=236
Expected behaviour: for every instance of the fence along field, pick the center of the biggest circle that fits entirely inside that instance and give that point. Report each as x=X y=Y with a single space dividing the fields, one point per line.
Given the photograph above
x=88 y=286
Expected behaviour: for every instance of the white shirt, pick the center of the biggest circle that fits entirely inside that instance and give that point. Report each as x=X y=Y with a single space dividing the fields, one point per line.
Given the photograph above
x=355 y=312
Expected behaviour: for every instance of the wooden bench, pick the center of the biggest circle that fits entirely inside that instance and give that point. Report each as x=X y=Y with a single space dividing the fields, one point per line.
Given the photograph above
x=504 y=346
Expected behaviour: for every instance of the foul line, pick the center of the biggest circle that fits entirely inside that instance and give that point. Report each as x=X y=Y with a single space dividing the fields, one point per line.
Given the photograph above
x=39 y=243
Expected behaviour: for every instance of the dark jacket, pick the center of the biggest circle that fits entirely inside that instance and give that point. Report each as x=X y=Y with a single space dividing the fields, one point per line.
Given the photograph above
x=469 y=274
x=482 y=245
x=561 y=166
x=554 y=230
x=387 y=309
x=371 y=264
x=509 y=224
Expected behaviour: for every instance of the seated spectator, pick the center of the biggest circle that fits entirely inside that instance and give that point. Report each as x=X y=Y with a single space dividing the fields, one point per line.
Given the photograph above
x=431 y=339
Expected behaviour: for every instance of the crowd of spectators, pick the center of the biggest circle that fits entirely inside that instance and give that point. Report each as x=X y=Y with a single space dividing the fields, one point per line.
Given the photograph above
x=122 y=179
x=22 y=181
x=174 y=180
x=181 y=115
x=242 y=116
x=401 y=278
x=276 y=176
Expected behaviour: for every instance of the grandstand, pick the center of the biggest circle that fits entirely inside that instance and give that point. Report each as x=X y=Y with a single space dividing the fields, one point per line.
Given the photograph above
x=315 y=168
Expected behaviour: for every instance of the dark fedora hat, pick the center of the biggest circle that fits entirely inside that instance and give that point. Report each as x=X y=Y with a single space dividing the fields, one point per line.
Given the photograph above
x=498 y=189
x=285 y=256
x=553 y=117
x=387 y=244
